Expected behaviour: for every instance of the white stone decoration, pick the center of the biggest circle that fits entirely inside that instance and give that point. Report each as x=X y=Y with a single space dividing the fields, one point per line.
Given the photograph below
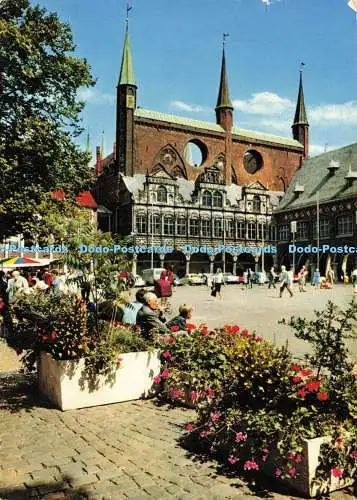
x=62 y=382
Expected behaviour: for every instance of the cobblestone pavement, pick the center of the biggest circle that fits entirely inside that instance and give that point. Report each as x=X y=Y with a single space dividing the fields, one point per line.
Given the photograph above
x=120 y=451
x=9 y=360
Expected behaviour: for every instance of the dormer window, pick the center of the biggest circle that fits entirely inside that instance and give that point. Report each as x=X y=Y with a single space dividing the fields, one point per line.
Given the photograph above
x=207 y=199
x=256 y=204
x=217 y=199
x=162 y=194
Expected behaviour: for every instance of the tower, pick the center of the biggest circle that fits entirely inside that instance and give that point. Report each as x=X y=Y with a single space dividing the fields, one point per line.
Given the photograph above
x=126 y=104
x=224 y=116
x=300 y=126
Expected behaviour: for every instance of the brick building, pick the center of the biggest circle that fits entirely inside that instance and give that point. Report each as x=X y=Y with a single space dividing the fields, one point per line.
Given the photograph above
x=154 y=192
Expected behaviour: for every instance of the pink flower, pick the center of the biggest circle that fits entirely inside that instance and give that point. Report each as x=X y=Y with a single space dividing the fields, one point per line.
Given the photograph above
x=245 y=333
x=298 y=459
x=258 y=339
x=251 y=465
x=166 y=354
x=265 y=458
x=157 y=379
x=354 y=454
x=278 y=472
x=203 y=434
x=339 y=443
x=215 y=416
x=291 y=456
x=210 y=393
x=212 y=449
x=292 y=471
x=174 y=328
x=240 y=436
x=194 y=395
x=232 y=460
x=337 y=472
x=189 y=427
x=301 y=393
x=165 y=374
x=265 y=450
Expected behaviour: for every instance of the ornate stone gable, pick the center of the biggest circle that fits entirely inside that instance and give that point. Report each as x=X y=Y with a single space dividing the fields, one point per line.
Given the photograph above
x=169 y=160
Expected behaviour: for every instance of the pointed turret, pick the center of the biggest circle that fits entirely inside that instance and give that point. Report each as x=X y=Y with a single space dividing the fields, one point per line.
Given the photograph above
x=127 y=76
x=126 y=104
x=300 y=126
x=224 y=116
x=224 y=100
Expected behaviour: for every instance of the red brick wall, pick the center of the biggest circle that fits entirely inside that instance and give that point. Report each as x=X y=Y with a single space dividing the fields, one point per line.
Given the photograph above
x=150 y=138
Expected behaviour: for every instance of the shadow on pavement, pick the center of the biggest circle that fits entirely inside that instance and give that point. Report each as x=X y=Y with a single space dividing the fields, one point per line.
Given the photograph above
x=56 y=490
x=20 y=392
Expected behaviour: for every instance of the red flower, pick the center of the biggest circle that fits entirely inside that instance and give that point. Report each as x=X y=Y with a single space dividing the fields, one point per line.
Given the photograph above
x=296 y=379
x=174 y=328
x=251 y=465
x=54 y=335
x=189 y=427
x=228 y=328
x=258 y=339
x=301 y=393
x=204 y=330
x=295 y=368
x=298 y=459
x=313 y=386
x=292 y=471
x=157 y=379
x=339 y=442
x=232 y=460
x=190 y=327
x=235 y=329
x=306 y=373
x=166 y=354
x=322 y=396
x=165 y=374
x=291 y=456
x=170 y=340
x=210 y=393
x=337 y=472
x=194 y=395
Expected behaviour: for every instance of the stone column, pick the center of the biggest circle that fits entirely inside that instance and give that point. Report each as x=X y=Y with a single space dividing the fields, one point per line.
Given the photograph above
x=235 y=258
x=211 y=264
x=256 y=265
x=162 y=258
x=134 y=264
x=188 y=257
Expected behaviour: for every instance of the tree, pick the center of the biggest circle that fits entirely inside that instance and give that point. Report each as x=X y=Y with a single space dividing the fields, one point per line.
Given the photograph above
x=39 y=114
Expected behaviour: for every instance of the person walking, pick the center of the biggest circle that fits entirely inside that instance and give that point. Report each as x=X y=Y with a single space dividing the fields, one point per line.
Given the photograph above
x=250 y=278
x=285 y=282
x=271 y=277
x=316 y=280
x=354 y=280
x=163 y=287
x=302 y=279
x=218 y=281
x=330 y=277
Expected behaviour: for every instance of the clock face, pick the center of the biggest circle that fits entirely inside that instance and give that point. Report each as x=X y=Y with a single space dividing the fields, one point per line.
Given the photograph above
x=252 y=161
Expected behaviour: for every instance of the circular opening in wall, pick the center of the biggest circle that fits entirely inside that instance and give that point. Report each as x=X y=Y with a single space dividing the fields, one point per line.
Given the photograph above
x=252 y=161
x=195 y=153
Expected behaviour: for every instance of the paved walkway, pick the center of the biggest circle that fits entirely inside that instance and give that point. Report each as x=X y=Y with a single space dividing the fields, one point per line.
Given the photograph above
x=120 y=451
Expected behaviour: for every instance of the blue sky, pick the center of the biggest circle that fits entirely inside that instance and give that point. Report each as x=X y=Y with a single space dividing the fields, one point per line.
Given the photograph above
x=176 y=47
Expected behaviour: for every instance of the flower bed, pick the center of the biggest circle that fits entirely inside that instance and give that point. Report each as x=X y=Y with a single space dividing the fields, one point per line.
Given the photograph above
x=259 y=411
x=68 y=386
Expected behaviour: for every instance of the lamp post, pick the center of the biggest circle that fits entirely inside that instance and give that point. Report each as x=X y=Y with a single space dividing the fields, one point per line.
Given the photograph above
x=293 y=230
x=152 y=235
x=263 y=254
x=318 y=228
x=224 y=244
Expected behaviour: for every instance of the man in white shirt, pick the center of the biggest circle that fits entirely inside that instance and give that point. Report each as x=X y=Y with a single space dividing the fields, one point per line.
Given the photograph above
x=16 y=285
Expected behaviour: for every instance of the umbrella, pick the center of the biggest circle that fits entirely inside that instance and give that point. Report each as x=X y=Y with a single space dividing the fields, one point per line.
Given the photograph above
x=19 y=262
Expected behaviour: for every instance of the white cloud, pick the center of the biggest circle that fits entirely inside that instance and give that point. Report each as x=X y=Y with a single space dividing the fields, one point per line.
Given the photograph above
x=282 y=125
x=317 y=149
x=335 y=113
x=183 y=106
x=265 y=103
x=94 y=96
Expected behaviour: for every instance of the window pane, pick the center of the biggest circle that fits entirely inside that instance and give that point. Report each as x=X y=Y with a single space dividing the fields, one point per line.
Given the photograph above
x=162 y=194
x=218 y=228
x=207 y=199
x=194 y=228
x=168 y=225
x=181 y=226
x=206 y=227
x=217 y=199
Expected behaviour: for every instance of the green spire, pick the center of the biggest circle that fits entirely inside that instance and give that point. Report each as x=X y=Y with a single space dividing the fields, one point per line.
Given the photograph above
x=224 y=101
x=127 y=76
x=300 y=113
x=88 y=145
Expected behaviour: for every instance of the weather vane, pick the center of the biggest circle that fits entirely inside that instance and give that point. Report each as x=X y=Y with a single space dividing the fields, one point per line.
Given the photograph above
x=128 y=9
x=225 y=36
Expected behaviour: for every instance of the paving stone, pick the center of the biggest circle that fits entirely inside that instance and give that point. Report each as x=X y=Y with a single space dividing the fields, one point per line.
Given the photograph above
x=85 y=479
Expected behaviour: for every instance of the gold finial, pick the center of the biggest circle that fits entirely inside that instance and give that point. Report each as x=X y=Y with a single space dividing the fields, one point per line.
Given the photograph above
x=128 y=9
x=225 y=36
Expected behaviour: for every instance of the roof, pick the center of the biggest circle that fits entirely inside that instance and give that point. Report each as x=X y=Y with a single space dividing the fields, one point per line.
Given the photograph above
x=127 y=76
x=300 y=113
x=239 y=133
x=83 y=199
x=315 y=177
x=224 y=100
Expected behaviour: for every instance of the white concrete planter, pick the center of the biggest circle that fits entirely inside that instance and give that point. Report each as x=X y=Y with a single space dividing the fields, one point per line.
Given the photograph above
x=306 y=470
x=63 y=383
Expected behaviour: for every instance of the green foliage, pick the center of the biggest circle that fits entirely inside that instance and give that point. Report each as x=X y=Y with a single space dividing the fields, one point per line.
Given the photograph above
x=39 y=113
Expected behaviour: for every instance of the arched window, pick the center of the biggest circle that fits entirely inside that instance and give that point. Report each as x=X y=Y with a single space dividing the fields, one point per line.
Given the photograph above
x=162 y=194
x=256 y=204
x=181 y=226
x=207 y=199
x=218 y=228
x=169 y=225
x=206 y=228
x=141 y=224
x=217 y=199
